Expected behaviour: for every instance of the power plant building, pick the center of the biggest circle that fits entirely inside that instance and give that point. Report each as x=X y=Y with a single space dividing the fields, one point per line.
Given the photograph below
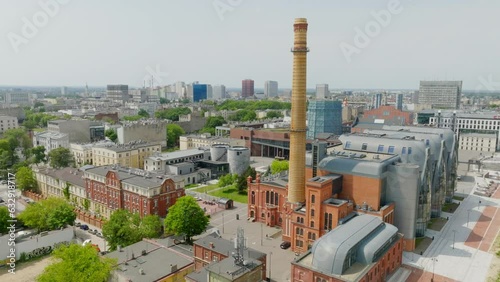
x=324 y=116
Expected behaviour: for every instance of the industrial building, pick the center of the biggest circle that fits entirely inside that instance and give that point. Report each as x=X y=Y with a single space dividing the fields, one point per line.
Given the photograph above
x=194 y=141
x=324 y=116
x=441 y=94
x=358 y=250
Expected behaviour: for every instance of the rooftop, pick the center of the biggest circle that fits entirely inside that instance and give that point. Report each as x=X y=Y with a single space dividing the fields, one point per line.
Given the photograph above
x=136 y=177
x=51 y=134
x=178 y=154
x=71 y=175
x=226 y=247
x=229 y=270
x=157 y=263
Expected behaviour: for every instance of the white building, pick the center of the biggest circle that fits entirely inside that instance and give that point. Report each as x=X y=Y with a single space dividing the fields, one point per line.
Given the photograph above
x=8 y=122
x=218 y=92
x=179 y=89
x=50 y=140
x=271 y=88
x=478 y=142
x=322 y=91
x=17 y=99
x=441 y=94
x=205 y=140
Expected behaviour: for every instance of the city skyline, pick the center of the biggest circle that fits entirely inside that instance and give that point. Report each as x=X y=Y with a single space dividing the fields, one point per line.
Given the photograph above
x=224 y=42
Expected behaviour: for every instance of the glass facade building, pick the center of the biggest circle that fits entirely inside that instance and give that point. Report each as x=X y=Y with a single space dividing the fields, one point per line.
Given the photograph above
x=324 y=117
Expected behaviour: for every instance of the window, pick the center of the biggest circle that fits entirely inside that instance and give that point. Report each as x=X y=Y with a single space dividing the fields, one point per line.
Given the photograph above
x=253 y=197
x=215 y=258
x=386 y=113
x=312 y=224
x=390 y=150
x=403 y=151
x=380 y=148
x=409 y=150
x=313 y=198
x=312 y=212
x=364 y=146
x=347 y=144
x=206 y=254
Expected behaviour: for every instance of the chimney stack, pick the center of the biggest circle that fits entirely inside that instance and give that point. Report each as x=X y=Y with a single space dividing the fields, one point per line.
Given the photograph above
x=296 y=180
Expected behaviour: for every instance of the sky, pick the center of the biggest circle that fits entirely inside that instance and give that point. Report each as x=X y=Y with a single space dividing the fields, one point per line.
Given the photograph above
x=370 y=44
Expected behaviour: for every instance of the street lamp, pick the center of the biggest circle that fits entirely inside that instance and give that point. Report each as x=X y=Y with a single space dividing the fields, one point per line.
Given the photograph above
x=468 y=215
x=454 y=233
x=270 y=268
x=433 y=265
x=223 y=222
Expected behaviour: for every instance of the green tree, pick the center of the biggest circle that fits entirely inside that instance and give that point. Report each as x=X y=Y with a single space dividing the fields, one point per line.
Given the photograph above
x=121 y=230
x=38 y=105
x=132 y=118
x=164 y=101
x=212 y=123
x=78 y=264
x=173 y=113
x=60 y=157
x=274 y=114
x=86 y=204
x=49 y=214
x=242 y=179
x=143 y=113
x=38 y=154
x=278 y=166
x=227 y=180
x=150 y=226
x=25 y=179
x=111 y=134
x=243 y=115
x=66 y=191
x=174 y=131
x=186 y=217
x=4 y=216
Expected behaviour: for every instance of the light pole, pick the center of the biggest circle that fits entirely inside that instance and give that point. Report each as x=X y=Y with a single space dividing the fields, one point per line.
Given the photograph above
x=222 y=222
x=468 y=216
x=433 y=265
x=454 y=233
x=270 y=262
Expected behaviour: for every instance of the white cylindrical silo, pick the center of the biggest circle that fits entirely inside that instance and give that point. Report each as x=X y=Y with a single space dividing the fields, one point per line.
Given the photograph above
x=238 y=159
x=218 y=152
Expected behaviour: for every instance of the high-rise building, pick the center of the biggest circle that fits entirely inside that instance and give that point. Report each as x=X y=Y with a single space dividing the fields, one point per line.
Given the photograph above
x=64 y=91
x=179 y=88
x=117 y=93
x=377 y=100
x=322 y=91
x=441 y=94
x=200 y=92
x=399 y=102
x=324 y=116
x=247 y=88
x=271 y=88
x=218 y=92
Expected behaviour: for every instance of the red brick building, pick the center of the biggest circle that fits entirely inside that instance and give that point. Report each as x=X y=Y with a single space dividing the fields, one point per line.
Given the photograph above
x=348 y=253
x=112 y=188
x=389 y=114
x=213 y=248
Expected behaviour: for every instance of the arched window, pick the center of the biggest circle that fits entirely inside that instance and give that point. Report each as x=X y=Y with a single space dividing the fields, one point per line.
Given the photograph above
x=253 y=197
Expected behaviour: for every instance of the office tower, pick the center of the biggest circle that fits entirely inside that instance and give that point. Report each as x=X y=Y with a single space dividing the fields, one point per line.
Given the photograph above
x=209 y=92
x=271 y=88
x=322 y=91
x=200 y=92
x=296 y=181
x=117 y=93
x=247 y=88
x=377 y=100
x=441 y=94
x=218 y=92
x=399 y=102
x=179 y=88
x=64 y=91
x=324 y=116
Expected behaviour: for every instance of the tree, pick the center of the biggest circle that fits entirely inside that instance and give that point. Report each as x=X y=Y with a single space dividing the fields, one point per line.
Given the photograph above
x=274 y=114
x=173 y=113
x=38 y=154
x=174 y=131
x=25 y=179
x=79 y=264
x=38 y=105
x=164 y=101
x=278 y=166
x=132 y=118
x=120 y=230
x=212 y=123
x=60 y=157
x=150 y=226
x=143 y=113
x=186 y=217
x=242 y=180
x=111 y=134
x=49 y=214
x=4 y=216
x=227 y=180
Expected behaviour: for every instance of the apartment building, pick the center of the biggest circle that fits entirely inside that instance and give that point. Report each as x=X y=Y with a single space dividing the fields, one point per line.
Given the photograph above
x=128 y=155
x=481 y=142
x=7 y=122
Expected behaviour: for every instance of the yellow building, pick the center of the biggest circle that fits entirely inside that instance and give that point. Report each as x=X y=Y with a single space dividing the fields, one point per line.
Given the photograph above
x=125 y=155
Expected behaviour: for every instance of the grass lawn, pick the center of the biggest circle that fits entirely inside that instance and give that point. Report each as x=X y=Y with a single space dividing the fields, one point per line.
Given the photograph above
x=207 y=188
x=458 y=198
x=232 y=193
x=450 y=207
x=191 y=186
x=418 y=241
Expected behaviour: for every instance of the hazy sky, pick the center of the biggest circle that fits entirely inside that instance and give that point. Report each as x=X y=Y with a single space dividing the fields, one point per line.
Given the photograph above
x=225 y=41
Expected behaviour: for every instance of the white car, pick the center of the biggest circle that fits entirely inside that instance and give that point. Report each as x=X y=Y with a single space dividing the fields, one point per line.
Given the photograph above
x=86 y=242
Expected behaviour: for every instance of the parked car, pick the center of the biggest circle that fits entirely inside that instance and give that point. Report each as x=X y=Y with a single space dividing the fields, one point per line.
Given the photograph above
x=77 y=224
x=84 y=227
x=285 y=245
x=92 y=231
x=99 y=234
